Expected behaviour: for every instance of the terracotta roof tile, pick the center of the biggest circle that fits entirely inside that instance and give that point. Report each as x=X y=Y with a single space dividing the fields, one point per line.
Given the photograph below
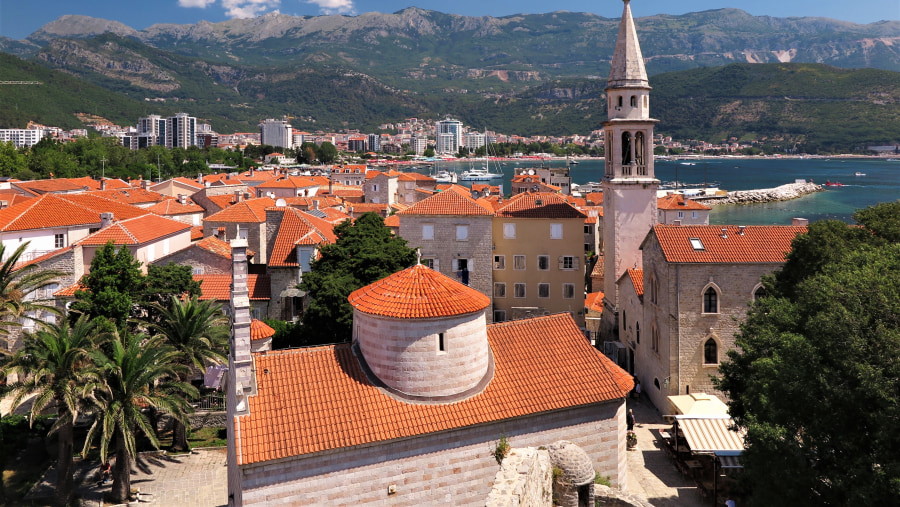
x=594 y=198
x=678 y=202
x=539 y=205
x=12 y=197
x=359 y=208
x=130 y=195
x=218 y=287
x=417 y=177
x=594 y=301
x=747 y=245
x=316 y=399
x=259 y=330
x=298 y=228
x=171 y=206
x=295 y=182
x=248 y=210
x=392 y=221
x=189 y=182
x=196 y=232
x=215 y=245
x=448 y=202
x=136 y=231
x=416 y=293
x=55 y=210
x=637 y=279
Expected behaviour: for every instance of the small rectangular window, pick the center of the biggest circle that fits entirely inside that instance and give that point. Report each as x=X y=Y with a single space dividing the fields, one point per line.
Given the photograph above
x=543 y=262
x=59 y=240
x=697 y=244
x=509 y=231
x=427 y=231
x=587 y=229
x=520 y=290
x=568 y=290
x=681 y=214
x=441 y=345
x=499 y=315
x=242 y=231
x=499 y=290
x=568 y=262
x=499 y=262
x=519 y=262
x=556 y=231
x=428 y=262
x=543 y=290
x=462 y=233
x=198 y=270
x=694 y=215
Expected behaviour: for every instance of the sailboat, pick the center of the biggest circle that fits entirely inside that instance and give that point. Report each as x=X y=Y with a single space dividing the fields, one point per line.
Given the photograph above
x=483 y=173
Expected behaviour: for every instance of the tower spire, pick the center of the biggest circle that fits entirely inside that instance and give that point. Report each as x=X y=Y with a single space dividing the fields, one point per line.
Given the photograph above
x=627 y=62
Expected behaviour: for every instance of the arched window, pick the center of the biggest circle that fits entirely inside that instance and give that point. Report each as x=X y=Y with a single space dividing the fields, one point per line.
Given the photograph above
x=710 y=301
x=637 y=331
x=626 y=148
x=654 y=338
x=633 y=101
x=639 y=148
x=759 y=293
x=710 y=352
x=654 y=290
x=620 y=101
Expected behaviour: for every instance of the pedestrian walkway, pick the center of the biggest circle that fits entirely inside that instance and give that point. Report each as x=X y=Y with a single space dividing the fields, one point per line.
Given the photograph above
x=652 y=476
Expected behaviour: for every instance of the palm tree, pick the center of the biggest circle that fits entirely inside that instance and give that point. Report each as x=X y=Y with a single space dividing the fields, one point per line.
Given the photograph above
x=16 y=284
x=54 y=365
x=198 y=332
x=137 y=372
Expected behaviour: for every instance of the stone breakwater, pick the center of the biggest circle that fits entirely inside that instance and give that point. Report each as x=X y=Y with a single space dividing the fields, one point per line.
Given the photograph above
x=782 y=193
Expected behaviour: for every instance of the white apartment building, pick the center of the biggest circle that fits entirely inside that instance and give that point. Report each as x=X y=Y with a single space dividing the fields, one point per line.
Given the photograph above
x=181 y=131
x=449 y=135
x=276 y=133
x=474 y=140
x=22 y=137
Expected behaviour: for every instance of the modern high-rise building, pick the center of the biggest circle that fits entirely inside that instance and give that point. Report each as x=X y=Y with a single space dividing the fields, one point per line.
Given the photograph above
x=276 y=133
x=22 y=137
x=449 y=135
x=418 y=144
x=374 y=142
x=151 y=131
x=474 y=140
x=181 y=131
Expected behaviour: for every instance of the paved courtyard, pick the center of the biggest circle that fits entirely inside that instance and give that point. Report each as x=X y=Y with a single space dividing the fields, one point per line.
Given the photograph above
x=652 y=476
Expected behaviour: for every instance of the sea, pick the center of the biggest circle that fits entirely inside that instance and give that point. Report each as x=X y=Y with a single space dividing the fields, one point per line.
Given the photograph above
x=878 y=181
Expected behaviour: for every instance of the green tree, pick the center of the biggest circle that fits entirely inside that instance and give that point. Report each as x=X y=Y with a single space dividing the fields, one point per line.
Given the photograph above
x=12 y=162
x=816 y=375
x=113 y=286
x=365 y=251
x=327 y=153
x=137 y=372
x=16 y=284
x=199 y=333
x=53 y=365
x=167 y=281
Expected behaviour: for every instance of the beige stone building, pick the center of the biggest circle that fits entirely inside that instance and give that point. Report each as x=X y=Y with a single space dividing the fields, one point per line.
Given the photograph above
x=698 y=282
x=453 y=233
x=245 y=219
x=538 y=258
x=676 y=209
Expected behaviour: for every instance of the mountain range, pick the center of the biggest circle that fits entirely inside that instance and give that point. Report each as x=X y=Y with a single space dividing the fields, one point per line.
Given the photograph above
x=535 y=73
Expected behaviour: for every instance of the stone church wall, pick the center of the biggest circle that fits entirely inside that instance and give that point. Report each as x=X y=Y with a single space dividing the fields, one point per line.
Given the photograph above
x=455 y=467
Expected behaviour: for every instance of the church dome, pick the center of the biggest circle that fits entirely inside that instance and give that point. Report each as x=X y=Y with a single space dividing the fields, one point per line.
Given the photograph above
x=423 y=335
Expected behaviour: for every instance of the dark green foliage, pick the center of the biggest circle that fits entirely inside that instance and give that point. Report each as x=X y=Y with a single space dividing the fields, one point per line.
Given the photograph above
x=816 y=377
x=114 y=285
x=365 y=252
x=162 y=283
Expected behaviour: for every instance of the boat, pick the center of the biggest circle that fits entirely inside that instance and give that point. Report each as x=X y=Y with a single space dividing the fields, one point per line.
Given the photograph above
x=445 y=177
x=476 y=174
x=859 y=174
x=833 y=183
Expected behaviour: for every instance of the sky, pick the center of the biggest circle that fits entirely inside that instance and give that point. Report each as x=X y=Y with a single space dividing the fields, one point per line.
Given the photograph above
x=19 y=18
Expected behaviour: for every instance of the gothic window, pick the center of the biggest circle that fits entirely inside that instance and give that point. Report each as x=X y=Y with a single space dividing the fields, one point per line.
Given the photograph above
x=626 y=148
x=639 y=148
x=633 y=101
x=620 y=102
x=710 y=301
x=759 y=293
x=710 y=352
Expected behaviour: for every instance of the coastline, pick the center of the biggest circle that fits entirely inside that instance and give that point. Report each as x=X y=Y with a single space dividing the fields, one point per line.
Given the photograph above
x=780 y=193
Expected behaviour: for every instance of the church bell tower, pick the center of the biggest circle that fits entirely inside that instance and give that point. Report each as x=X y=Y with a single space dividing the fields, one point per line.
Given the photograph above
x=629 y=182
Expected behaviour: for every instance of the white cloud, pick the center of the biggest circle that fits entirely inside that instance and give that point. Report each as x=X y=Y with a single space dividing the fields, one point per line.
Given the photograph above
x=247 y=8
x=195 y=3
x=334 y=6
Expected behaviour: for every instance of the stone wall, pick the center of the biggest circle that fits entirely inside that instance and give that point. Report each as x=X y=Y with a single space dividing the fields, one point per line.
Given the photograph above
x=210 y=263
x=197 y=419
x=454 y=467
x=525 y=479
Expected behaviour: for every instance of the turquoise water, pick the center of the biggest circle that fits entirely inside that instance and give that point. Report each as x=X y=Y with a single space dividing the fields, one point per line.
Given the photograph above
x=881 y=183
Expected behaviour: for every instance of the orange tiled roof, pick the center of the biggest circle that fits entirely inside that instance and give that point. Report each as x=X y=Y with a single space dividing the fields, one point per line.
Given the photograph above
x=196 y=232
x=218 y=287
x=540 y=365
x=678 y=202
x=757 y=244
x=368 y=207
x=12 y=197
x=189 y=182
x=248 y=210
x=448 y=202
x=418 y=292
x=39 y=187
x=298 y=228
x=70 y=290
x=136 y=231
x=539 y=205
x=295 y=182
x=345 y=191
x=335 y=216
x=259 y=330
x=594 y=198
x=392 y=221
x=129 y=195
x=421 y=178
x=594 y=301
x=637 y=279
x=215 y=245
x=171 y=206
x=55 y=210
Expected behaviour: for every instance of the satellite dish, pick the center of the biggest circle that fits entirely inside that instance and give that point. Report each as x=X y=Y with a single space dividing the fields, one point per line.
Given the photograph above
x=281 y=203
x=531 y=172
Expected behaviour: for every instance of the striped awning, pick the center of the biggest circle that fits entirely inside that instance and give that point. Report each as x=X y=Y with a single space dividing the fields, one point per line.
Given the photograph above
x=710 y=434
x=730 y=462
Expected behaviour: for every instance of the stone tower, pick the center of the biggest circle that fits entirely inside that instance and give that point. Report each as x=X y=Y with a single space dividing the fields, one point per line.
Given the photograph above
x=629 y=182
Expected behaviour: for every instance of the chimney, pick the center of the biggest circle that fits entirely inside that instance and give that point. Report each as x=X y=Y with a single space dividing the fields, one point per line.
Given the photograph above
x=316 y=204
x=145 y=184
x=106 y=219
x=724 y=233
x=102 y=183
x=238 y=196
x=741 y=229
x=200 y=178
x=248 y=195
x=182 y=199
x=802 y=222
